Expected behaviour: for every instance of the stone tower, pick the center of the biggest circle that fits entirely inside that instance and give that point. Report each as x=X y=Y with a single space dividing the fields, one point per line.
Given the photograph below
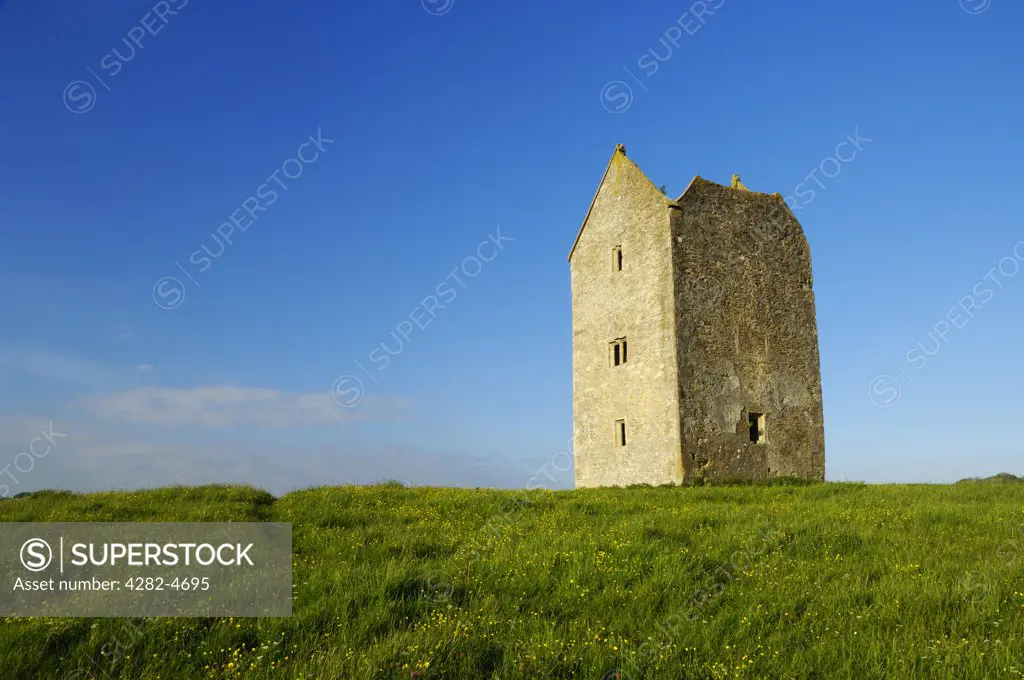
x=694 y=339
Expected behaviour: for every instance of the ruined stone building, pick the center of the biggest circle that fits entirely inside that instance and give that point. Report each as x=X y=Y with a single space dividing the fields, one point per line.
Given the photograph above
x=694 y=339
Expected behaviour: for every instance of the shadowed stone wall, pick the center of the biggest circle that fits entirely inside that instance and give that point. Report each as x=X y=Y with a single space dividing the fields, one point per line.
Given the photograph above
x=748 y=336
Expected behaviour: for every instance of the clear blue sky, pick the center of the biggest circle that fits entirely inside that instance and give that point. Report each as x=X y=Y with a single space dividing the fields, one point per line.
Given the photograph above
x=450 y=120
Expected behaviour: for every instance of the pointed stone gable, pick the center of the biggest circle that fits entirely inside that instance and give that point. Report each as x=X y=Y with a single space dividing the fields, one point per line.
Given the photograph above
x=619 y=164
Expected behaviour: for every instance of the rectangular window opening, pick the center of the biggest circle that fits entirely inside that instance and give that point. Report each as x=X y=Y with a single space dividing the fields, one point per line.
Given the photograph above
x=617 y=258
x=620 y=432
x=756 y=423
x=618 y=348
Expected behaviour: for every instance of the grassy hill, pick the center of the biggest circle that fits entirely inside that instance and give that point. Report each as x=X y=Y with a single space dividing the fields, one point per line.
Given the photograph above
x=820 y=581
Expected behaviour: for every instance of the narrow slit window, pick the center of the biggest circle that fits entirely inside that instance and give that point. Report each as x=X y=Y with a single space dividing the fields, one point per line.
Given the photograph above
x=620 y=432
x=756 y=424
x=617 y=258
x=618 y=352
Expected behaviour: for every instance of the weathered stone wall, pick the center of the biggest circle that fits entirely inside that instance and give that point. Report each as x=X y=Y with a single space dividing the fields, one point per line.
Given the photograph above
x=748 y=338
x=636 y=303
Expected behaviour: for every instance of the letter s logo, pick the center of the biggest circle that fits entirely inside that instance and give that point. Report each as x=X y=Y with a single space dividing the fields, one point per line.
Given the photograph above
x=36 y=554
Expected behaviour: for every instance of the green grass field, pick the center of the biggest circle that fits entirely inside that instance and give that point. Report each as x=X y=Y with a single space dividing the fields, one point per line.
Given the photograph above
x=785 y=581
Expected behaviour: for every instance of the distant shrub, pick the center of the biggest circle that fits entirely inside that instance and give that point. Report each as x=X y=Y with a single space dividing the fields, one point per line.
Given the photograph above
x=44 y=493
x=1001 y=478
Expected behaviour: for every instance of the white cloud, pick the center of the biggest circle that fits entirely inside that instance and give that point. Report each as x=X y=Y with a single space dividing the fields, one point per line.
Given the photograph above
x=55 y=365
x=92 y=456
x=92 y=463
x=19 y=429
x=229 y=406
x=144 y=368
